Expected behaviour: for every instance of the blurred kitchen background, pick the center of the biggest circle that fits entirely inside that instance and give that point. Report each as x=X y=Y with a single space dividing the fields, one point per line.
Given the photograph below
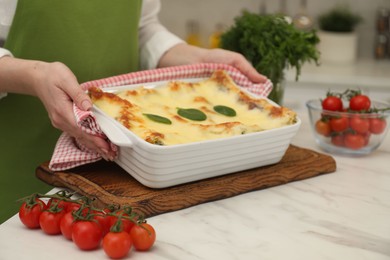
x=199 y=21
x=208 y=15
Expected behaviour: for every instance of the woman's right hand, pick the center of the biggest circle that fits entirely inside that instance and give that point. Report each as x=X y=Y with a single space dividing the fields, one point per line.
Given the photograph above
x=57 y=87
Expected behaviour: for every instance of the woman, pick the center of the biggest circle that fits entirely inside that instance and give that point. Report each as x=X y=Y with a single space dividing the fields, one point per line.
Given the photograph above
x=54 y=45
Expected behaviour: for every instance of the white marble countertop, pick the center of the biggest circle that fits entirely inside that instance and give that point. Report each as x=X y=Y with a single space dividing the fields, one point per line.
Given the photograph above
x=342 y=215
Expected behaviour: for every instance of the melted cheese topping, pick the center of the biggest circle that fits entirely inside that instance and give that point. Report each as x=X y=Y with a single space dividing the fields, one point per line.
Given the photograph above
x=252 y=115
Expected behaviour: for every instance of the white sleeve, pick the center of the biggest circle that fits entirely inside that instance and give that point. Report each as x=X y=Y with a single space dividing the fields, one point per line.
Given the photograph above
x=154 y=38
x=4 y=52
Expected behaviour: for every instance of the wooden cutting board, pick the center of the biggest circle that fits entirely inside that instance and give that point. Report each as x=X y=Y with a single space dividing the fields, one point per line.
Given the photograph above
x=107 y=183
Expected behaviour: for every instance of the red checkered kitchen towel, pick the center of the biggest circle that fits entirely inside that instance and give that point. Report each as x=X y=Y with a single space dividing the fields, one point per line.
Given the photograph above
x=68 y=154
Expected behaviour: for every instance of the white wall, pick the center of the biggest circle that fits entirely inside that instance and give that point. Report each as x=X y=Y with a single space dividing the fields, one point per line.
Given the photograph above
x=208 y=13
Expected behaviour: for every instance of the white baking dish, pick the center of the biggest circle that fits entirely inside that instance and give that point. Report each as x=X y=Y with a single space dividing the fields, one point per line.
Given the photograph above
x=158 y=166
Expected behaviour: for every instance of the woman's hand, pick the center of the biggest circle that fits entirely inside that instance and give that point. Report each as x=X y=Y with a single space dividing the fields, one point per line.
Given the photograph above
x=182 y=54
x=57 y=87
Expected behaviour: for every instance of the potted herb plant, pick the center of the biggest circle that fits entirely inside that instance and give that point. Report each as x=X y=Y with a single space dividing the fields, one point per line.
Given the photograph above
x=338 y=38
x=271 y=44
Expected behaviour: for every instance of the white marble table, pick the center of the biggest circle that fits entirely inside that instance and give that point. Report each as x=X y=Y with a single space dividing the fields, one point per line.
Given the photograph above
x=343 y=215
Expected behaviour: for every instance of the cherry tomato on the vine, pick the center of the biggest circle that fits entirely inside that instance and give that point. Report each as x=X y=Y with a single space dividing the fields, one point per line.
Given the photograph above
x=126 y=224
x=323 y=128
x=360 y=103
x=103 y=220
x=50 y=222
x=117 y=244
x=29 y=214
x=87 y=235
x=66 y=225
x=143 y=236
x=332 y=103
x=60 y=203
x=72 y=206
x=339 y=124
x=377 y=125
x=338 y=140
x=354 y=141
x=360 y=125
x=366 y=137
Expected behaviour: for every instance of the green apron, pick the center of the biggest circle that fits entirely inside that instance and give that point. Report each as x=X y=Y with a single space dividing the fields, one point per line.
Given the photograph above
x=95 y=39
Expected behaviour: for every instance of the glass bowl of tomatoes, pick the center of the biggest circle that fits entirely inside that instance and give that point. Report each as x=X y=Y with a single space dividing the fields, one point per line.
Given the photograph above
x=349 y=123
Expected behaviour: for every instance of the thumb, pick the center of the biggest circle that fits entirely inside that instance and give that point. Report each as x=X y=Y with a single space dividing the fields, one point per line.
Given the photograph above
x=248 y=70
x=81 y=99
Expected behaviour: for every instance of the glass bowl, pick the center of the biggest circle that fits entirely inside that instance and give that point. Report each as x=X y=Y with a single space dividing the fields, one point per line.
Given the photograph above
x=349 y=133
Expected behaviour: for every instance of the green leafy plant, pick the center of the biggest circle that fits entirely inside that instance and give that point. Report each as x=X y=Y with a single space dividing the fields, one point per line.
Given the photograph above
x=271 y=44
x=339 y=19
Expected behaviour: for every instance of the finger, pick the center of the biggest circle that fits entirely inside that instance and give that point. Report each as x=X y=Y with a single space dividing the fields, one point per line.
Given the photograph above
x=76 y=93
x=248 y=70
x=104 y=147
x=80 y=98
x=99 y=145
x=67 y=82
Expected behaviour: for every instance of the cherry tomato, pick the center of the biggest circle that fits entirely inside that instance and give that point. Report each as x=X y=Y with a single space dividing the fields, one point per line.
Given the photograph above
x=377 y=125
x=66 y=225
x=143 y=236
x=332 y=103
x=117 y=245
x=86 y=234
x=339 y=124
x=366 y=138
x=50 y=222
x=29 y=213
x=354 y=141
x=323 y=128
x=126 y=225
x=103 y=220
x=359 y=103
x=72 y=206
x=60 y=203
x=360 y=125
x=338 y=140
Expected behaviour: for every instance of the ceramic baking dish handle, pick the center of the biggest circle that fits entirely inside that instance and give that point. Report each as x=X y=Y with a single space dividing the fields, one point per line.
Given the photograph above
x=114 y=134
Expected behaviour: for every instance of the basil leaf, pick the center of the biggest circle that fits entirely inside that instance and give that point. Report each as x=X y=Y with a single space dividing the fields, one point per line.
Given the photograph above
x=224 y=110
x=158 y=119
x=192 y=114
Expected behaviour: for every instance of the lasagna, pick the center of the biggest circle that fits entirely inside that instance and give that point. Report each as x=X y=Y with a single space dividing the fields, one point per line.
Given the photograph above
x=180 y=112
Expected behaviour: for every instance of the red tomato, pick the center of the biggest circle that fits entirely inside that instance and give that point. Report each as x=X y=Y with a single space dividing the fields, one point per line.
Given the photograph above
x=338 y=140
x=72 y=206
x=50 y=222
x=377 y=125
x=126 y=225
x=360 y=103
x=339 y=124
x=104 y=222
x=86 y=234
x=143 y=236
x=360 y=125
x=366 y=138
x=354 y=141
x=117 y=244
x=29 y=214
x=66 y=225
x=323 y=128
x=332 y=103
x=60 y=203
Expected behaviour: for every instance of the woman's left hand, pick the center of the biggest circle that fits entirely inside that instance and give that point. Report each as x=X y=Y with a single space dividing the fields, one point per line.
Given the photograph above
x=182 y=54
